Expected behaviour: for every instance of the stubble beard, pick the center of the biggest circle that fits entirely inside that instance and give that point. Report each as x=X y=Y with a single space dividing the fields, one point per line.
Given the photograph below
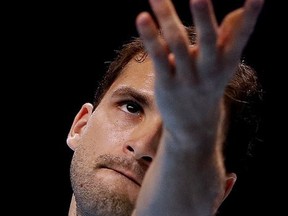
x=94 y=197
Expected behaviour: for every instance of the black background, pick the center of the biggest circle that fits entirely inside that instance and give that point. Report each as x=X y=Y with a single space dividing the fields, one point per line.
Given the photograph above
x=55 y=54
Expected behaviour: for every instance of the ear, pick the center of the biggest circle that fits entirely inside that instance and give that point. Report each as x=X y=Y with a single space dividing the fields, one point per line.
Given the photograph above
x=78 y=125
x=230 y=180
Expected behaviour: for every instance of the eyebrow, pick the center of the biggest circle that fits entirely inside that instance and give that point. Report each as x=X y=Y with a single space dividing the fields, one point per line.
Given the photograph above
x=128 y=91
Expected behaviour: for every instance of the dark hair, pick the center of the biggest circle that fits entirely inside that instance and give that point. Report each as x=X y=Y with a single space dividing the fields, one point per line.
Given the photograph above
x=242 y=98
x=244 y=101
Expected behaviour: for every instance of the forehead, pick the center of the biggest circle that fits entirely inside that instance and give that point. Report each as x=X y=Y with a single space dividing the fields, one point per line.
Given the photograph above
x=137 y=75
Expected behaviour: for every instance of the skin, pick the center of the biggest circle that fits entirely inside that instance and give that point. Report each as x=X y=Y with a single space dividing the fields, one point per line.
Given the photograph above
x=120 y=139
x=123 y=127
x=193 y=85
x=114 y=135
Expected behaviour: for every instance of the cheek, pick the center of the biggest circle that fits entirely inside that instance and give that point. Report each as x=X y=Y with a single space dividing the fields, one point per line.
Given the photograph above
x=105 y=136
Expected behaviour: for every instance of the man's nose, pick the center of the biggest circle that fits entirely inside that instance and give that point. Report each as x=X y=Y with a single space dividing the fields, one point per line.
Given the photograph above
x=144 y=141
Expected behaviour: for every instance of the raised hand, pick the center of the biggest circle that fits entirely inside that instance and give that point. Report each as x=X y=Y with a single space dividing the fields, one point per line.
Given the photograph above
x=191 y=78
x=187 y=176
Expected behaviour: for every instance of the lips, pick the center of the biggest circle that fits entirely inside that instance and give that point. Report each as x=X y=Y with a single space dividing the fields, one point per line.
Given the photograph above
x=135 y=176
x=124 y=166
x=130 y=175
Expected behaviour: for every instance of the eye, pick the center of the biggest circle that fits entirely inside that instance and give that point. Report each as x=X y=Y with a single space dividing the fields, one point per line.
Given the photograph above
x=131 y=107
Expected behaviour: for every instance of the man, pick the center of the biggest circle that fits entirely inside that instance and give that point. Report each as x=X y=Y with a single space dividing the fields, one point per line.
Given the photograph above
x=167 y=114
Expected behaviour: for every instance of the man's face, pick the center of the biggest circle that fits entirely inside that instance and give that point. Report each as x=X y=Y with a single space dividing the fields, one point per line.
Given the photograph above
x=117 y=144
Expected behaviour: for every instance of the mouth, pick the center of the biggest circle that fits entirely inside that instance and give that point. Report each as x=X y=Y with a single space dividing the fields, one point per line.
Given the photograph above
x=126 y=173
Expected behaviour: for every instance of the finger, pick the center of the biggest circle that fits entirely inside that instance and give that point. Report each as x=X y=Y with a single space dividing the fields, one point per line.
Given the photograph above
x=154 y=45
x=237 y=27
x=174 y=34
x=251 y=12
x=206 y=26
x=171 y=26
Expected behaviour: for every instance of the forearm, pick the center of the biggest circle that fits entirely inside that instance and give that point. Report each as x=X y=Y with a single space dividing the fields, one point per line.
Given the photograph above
x=184 y=181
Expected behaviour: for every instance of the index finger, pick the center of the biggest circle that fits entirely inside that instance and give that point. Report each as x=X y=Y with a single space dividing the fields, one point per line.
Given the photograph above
x=175 y=36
